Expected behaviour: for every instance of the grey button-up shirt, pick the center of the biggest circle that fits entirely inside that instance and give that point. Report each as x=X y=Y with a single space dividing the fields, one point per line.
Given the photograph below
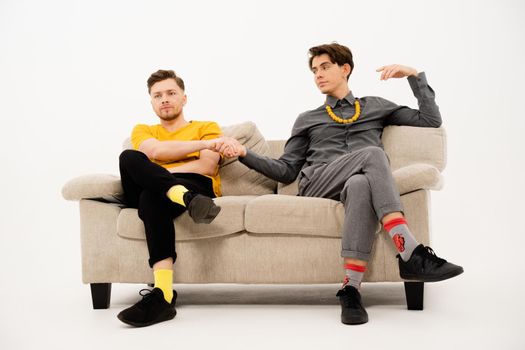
x=317 y=139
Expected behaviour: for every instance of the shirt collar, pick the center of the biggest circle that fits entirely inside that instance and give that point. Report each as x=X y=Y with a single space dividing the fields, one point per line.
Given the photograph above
x=332 y=101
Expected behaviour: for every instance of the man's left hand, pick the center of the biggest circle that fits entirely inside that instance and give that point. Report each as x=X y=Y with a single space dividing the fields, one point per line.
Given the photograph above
x=396 y=71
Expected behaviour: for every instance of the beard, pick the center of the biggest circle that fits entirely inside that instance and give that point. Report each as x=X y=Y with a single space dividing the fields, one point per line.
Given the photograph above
x=169 y=116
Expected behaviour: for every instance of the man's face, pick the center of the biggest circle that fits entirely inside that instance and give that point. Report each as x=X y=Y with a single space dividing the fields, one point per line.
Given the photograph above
x=167 y=99
x=328 y=76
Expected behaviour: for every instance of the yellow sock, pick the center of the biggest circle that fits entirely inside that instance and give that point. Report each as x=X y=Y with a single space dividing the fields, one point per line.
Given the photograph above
x=164 y=281
x=176 y=194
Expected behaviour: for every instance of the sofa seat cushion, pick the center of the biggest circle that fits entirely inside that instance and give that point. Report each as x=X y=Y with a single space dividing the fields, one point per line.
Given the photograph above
x=229 y=221
x=295 y=215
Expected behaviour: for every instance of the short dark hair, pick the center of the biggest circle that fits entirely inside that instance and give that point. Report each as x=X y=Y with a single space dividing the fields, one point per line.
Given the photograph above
x=161 y=75
x=338 y=54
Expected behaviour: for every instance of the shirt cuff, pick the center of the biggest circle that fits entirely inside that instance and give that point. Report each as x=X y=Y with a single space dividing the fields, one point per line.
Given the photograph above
x=250 y=157
x=419 y=81
x=420 y=87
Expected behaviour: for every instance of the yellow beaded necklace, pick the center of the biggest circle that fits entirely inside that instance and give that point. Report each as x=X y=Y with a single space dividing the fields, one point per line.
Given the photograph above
x=345 y=121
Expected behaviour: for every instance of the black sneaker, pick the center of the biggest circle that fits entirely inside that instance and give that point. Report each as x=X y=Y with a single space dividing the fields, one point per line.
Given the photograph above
x=352 y=311
x=202 y=209
x=425 y=266
x=153 y=308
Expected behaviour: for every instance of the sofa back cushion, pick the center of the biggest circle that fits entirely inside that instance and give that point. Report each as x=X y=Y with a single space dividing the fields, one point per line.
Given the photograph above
x=404 y=145
x=407 y=145
x=236 y=178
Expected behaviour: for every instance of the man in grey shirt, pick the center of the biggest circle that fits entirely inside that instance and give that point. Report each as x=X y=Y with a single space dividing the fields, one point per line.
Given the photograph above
x=336 y=151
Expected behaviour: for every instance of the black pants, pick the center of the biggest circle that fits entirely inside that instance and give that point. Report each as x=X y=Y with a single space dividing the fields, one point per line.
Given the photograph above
x=145 y=185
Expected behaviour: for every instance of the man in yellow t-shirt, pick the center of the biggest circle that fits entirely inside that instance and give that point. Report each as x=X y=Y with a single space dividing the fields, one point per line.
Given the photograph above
x=172 y=168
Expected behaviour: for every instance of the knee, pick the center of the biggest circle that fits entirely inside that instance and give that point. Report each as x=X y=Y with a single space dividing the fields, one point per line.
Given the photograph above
x=374 y=151
x=357 y=182
x=357 y=186
x=375 y=154
x=128 y=155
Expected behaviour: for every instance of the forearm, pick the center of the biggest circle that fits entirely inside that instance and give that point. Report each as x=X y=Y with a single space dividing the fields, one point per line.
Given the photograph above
x=429 y=114
x=175 y=150
x=275 y=169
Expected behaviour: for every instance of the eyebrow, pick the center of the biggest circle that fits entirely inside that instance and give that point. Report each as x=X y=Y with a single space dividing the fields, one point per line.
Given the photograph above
x=159 y=92
x=323 y=64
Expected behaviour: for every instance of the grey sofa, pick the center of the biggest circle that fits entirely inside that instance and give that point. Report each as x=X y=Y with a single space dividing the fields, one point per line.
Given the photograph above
x=264 y=232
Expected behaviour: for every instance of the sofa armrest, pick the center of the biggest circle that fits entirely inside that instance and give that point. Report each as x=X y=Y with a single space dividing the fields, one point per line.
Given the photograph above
x=99 y=186
x=415 y=177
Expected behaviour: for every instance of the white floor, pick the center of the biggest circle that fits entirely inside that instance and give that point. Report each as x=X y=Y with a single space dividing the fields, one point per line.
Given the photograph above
x=458 y=314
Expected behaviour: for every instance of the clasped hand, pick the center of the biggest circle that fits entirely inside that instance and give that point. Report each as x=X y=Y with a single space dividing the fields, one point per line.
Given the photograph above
x=227 y=146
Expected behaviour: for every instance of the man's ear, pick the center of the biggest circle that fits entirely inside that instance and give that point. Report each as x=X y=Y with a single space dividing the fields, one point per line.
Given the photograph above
x=184 y=100
x=347 y=70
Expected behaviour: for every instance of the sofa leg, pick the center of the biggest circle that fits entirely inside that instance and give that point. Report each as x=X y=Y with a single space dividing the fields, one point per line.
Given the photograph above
x=101 y=295
x=414 y=294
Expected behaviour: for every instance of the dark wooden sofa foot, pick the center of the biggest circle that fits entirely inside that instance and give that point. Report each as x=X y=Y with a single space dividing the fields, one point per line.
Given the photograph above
x=101 y=295
x=414 y=293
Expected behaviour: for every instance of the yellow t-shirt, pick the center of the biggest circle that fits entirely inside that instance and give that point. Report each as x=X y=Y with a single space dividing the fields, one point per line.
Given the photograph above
x=193 y=131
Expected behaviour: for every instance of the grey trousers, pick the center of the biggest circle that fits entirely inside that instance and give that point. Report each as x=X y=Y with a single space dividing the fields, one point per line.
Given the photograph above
x=363 y=182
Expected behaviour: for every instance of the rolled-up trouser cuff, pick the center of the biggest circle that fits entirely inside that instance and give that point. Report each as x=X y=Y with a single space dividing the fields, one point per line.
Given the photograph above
x=389 y=208
x=355 y=255
x=153 y=260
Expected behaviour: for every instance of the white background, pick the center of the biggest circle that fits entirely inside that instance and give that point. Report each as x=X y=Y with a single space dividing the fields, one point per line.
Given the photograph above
x=72 y=86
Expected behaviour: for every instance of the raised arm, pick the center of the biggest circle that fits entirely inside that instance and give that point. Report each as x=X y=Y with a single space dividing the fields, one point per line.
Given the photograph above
x=427 y=114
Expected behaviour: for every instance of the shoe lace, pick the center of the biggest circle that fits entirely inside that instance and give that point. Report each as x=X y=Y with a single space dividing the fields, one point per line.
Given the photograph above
x=431 y=255
x=146 y=295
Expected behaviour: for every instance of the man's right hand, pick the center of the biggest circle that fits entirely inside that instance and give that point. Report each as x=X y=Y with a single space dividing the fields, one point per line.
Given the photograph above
x=229 y=147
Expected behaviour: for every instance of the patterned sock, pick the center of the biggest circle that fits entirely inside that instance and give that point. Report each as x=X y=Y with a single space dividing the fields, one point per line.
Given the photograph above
x=354 y=275
x=176 y=194
x=164 y=281
x=403 y=239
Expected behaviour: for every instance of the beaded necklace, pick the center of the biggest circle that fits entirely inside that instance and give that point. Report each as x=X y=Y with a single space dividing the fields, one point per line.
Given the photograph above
x=345 y=121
